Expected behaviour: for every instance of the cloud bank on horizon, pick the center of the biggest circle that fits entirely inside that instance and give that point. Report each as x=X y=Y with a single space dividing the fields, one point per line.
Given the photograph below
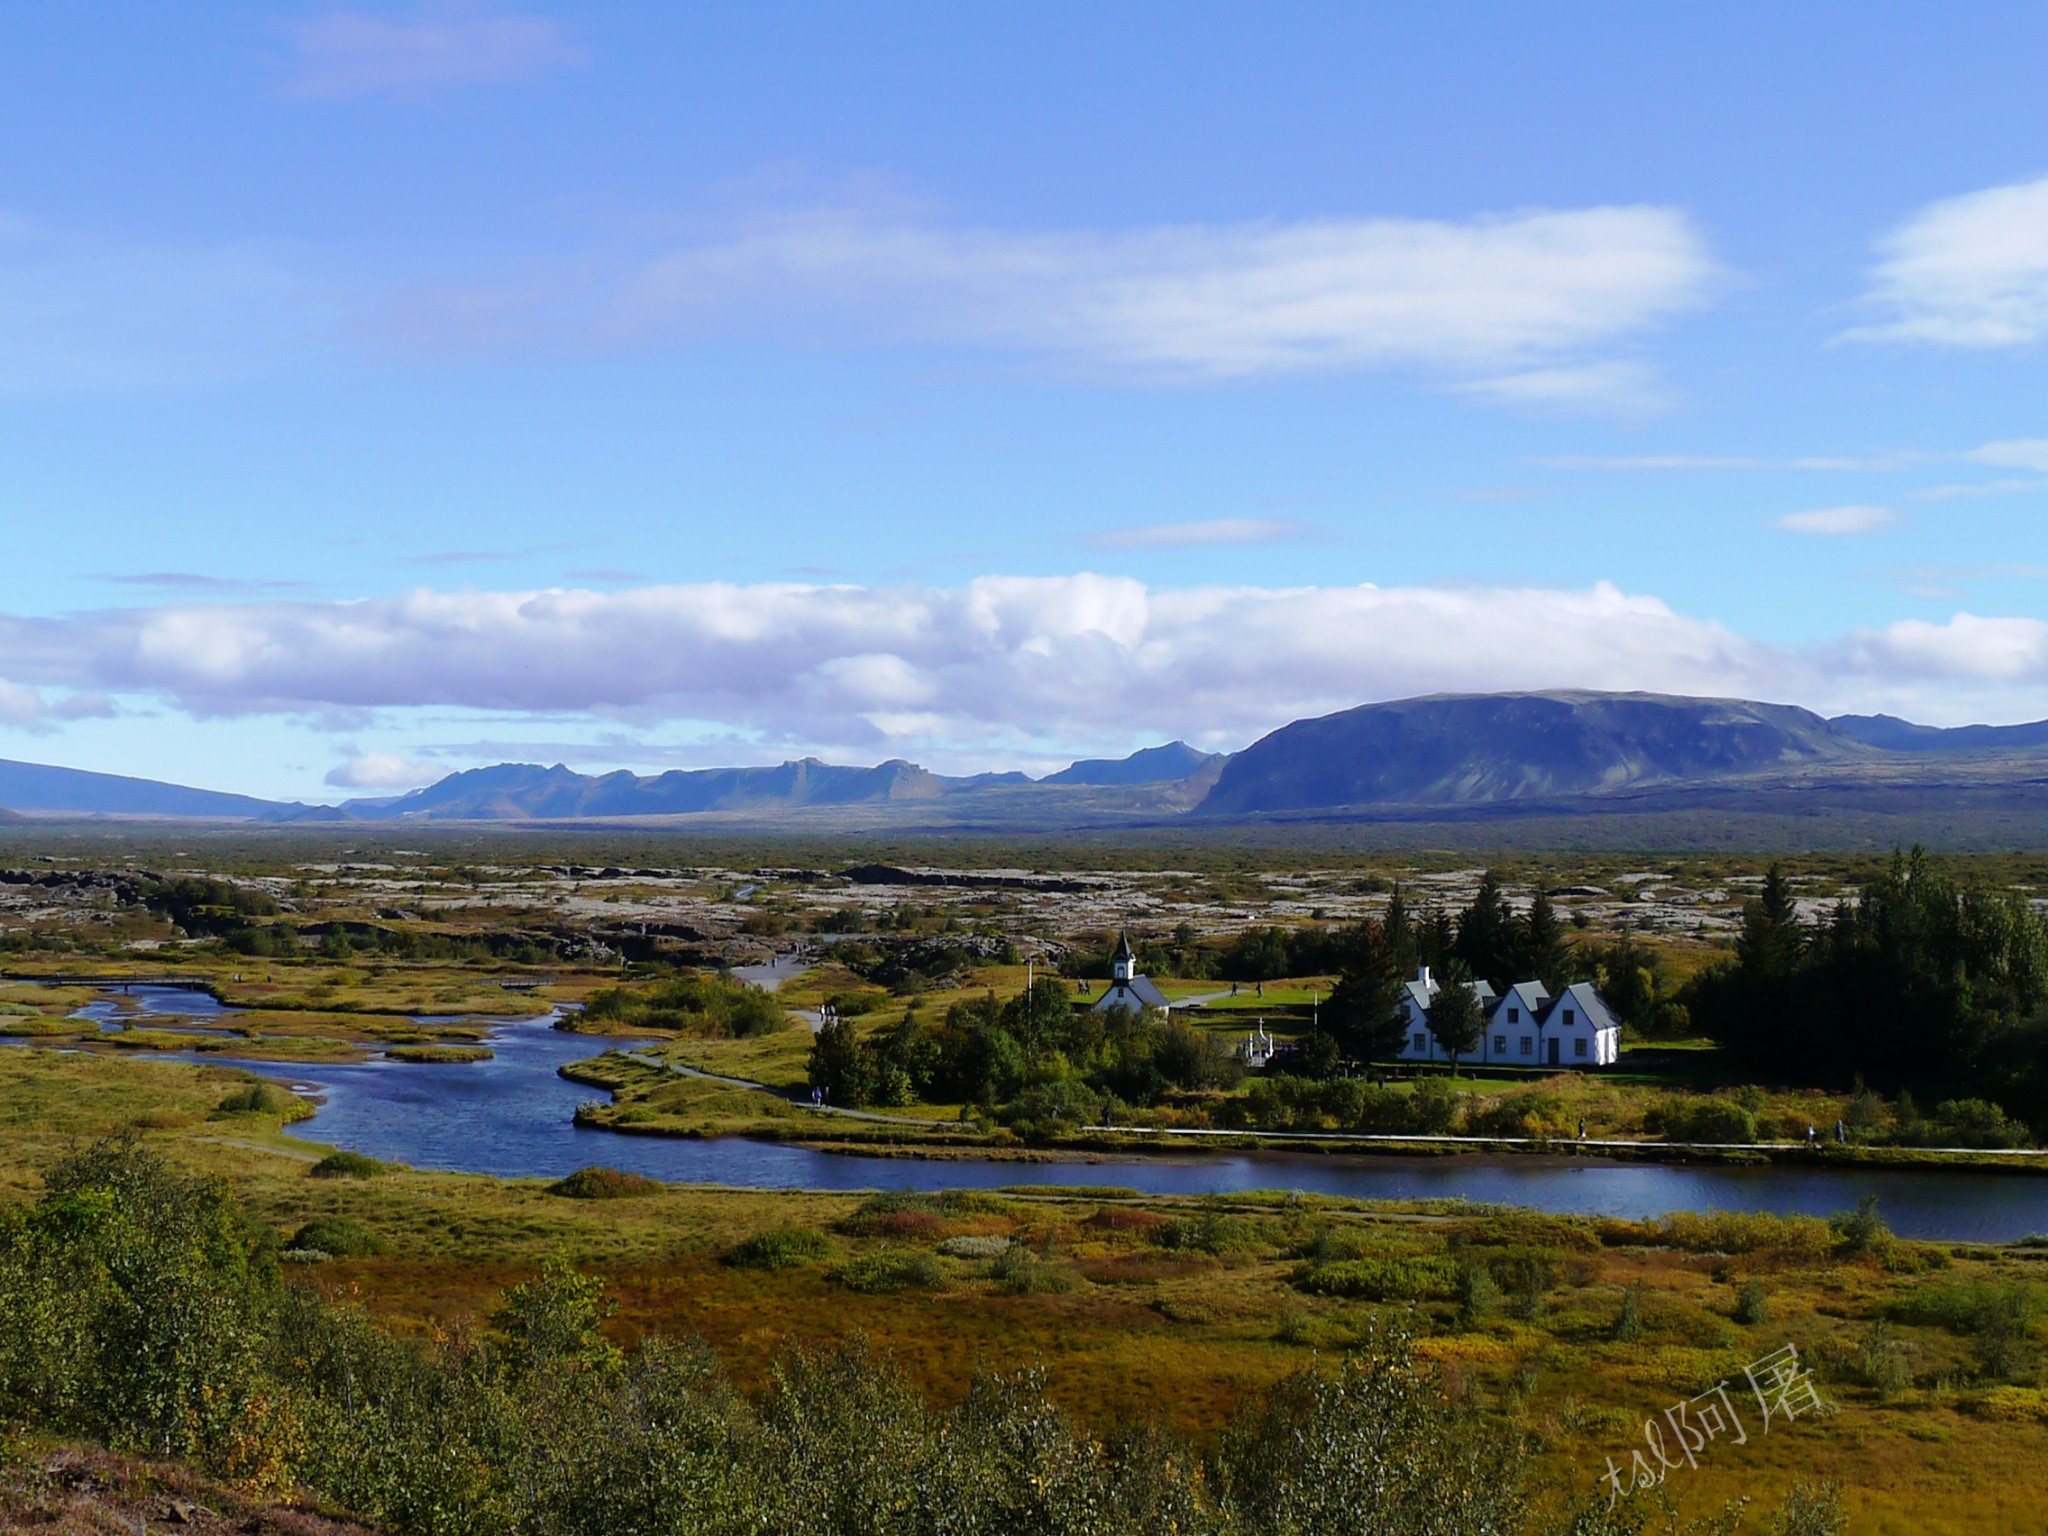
x=998 y=664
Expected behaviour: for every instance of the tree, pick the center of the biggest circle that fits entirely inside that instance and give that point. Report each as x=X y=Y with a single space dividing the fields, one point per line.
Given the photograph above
x=838 y=1065
x=1454 y=1016
x=1541 y=951
x=1365 y=1009
x=1487 y=934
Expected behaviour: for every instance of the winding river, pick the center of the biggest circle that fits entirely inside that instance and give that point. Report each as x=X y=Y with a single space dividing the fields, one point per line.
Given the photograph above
x=511 y=1116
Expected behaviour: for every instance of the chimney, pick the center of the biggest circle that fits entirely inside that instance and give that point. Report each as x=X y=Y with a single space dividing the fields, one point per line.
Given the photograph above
x=1422 y=977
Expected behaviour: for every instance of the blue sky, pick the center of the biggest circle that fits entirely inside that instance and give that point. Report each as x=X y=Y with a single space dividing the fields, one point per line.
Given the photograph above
x=386 y=390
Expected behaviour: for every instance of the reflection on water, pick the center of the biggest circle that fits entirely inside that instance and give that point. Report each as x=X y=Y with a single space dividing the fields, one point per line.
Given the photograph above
x=512 y=1116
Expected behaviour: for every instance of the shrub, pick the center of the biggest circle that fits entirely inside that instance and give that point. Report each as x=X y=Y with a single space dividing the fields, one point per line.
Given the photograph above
x=975 y=1247
x=1628 y=1323
x=1788 y=1237
x=1478 y=1294
x=780 y=1248
x=1023 y=1273
x=891 y=1269
x=1717 y=1121
x=347 y=1165
x=1810 y=1509
x=1881 y=1362
x=1398 y=1279
x=254 y=1099
x=339 y=1237
x=598 y=1183
x=1206 y=1232
x=1752 y=1306
x=1861 y=1230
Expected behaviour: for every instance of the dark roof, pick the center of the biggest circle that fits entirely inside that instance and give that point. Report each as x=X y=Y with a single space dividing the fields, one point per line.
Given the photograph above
x=1123 y=947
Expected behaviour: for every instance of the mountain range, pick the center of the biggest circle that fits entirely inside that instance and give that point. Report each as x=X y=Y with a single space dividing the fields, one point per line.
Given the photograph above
x=1446 y=758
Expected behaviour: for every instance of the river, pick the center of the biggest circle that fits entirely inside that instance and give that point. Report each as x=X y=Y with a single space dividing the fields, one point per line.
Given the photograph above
x=512 y=1116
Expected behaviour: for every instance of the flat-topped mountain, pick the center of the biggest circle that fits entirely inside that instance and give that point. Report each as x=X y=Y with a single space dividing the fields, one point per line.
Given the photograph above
x=1461 y=749
x=40 y=788
x=1150 y=765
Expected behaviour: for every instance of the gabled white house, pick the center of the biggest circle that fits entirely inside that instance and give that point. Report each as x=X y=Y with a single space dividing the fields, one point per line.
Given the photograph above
x=1128 y=987
x=1578 y=1030
x=1513 y=1036
x=1525 y=1026
x=1420 y=1042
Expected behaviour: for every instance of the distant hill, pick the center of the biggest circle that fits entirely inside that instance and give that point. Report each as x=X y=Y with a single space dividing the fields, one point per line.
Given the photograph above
x=1896 y=735
x=1467 y=749
x=34 y=788
x=6 y=816
x=1149 y=765
x=528 y=792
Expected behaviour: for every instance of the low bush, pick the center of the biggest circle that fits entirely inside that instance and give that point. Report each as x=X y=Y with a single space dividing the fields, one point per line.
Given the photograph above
x=254 y=1099
x=347 y=1165
x=598 y=1183
x=891 y=1269
x=1419 y=1278
x=975 y=1247
x=1206 y=1232
x=1716 y=1121
x=338 y=1237
x=780 y=1248
x=1021 y=1272
x=439 y=1055
x=1760 y=1232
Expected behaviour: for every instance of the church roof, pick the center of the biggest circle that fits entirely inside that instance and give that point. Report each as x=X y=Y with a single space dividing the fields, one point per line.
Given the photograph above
x=1137 y=994
x=1123 y=947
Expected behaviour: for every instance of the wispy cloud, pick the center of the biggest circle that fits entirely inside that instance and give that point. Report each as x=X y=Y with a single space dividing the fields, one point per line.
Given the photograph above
x=194 y=581
x=1969 y=271
x=1839 y=520
x=382 y=770
x=2014 y=453
x=1620 y=385
x=1221 y=530
x=1531 y=306
x=345 y=54
x=1861 y=464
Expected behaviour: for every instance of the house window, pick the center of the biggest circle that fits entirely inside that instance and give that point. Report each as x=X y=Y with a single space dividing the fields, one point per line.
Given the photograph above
x=1578 y=1047
x=1500 y=1044
x=1569 y=1016
x=1421 y=1042
x=1514 y=1015
x=1528 y=1046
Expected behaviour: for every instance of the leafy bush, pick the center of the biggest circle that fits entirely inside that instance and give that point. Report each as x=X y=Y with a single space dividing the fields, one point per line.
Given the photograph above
x=1861 y=1230
x=780 y=1248
x=1752 y=1305
x=1018 y=1270
x=338 y=1237
x=891 y=1269
x=1419 y=1278
x=975 y=1247
x=347 y=1165
x=1717 y=1121
x=1790 y=1237
x=709 y=1007
x=255 y=1099
x=1206 y=1232
x=599 y=1183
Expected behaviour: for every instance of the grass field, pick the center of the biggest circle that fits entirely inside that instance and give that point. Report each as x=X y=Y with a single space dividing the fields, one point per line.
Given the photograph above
x=1152 y=1307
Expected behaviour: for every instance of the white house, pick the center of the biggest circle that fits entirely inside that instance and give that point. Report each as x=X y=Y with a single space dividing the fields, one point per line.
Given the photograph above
x=1420 y=1042
x=1128 y=987
x=1525 y=1026
x=1513 y=1036
x=1578 y=1030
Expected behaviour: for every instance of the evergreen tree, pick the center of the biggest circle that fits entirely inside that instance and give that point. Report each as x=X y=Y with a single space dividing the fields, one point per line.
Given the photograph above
x=1365 y=1009
x=1540 y=950
x=1487 y=935
x=1454 y=1017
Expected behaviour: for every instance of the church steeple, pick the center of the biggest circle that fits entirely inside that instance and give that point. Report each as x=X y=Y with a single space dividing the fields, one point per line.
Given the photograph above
x=1123 y=965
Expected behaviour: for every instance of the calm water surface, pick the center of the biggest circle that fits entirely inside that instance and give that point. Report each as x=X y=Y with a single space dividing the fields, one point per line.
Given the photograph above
x=512 y=1117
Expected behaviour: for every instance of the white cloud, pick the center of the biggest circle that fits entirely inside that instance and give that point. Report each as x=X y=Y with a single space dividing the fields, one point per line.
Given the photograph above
x=1969 y=271
x=20 y=706
x=382 y=770
x=998 y=659
x=1614 y=385
x=2014 y=453
x=1839 y=520
x=997 y=666
x=349 y=53
x=1967 y=647
x=1221 y=530
x=1527 y=294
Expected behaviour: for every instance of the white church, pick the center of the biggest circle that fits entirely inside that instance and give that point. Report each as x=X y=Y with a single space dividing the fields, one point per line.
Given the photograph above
x=1128 y=987
x=1525 y=1027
